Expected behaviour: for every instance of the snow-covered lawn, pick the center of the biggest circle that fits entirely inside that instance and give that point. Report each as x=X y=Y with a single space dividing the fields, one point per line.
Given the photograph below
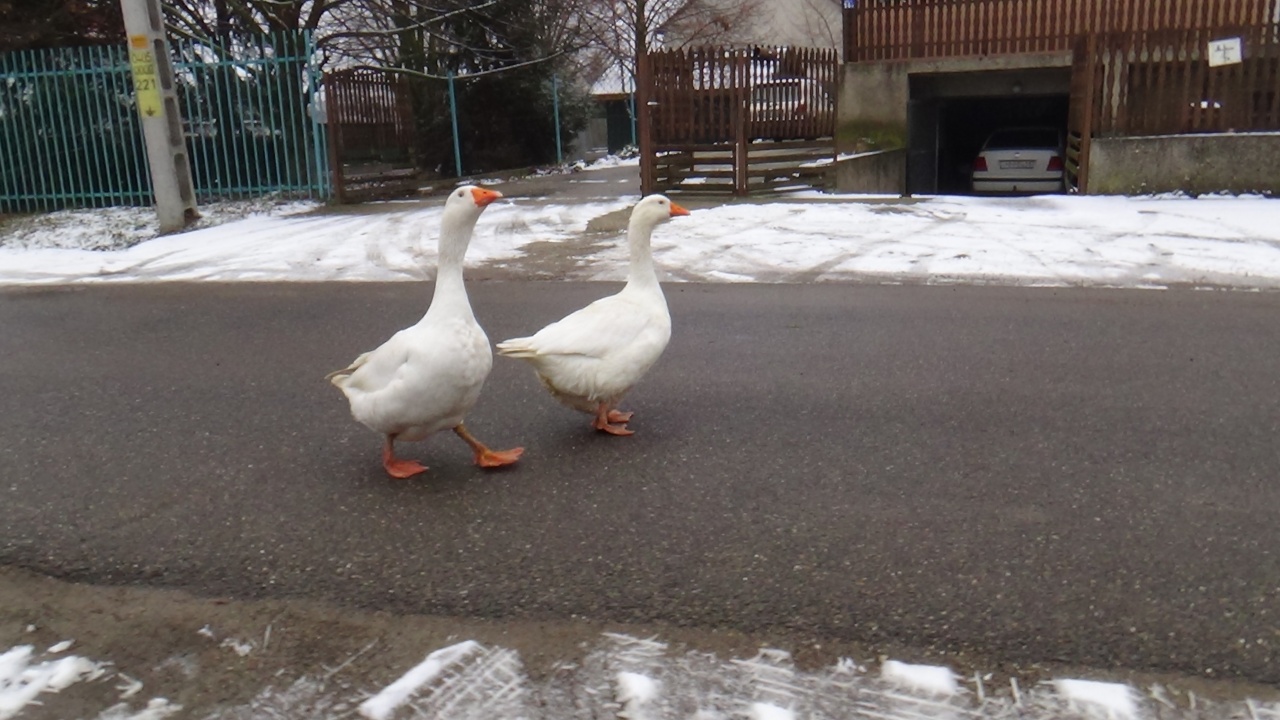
x=1048 y=240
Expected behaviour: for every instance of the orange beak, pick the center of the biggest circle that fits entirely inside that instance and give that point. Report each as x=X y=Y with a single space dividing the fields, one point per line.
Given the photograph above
x=484 y=196
x=677 y=211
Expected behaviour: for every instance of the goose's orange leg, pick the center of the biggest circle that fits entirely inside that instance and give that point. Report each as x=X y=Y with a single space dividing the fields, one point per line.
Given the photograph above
x=396 y=467
x=604 y=418
x=485 y=457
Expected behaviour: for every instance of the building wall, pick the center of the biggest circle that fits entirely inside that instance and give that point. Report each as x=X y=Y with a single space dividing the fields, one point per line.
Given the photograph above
x=875 y=172
x=873 y=98
x=1194 y=164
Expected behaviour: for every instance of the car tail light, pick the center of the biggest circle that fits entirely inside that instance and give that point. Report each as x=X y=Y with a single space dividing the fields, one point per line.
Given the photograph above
x=980 y=164
x=1055 y=163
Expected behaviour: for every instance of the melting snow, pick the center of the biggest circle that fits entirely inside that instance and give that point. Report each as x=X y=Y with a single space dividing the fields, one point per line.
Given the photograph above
x=1048 y=240
x=1115 y=699
x=633 y=679
x=924 y=678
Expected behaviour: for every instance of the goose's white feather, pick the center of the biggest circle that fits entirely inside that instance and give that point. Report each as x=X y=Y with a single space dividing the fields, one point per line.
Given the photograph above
x=427 y=377
x=598 y=353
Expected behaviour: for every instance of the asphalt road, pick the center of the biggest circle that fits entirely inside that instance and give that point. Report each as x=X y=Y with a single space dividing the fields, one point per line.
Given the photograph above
x=1080 y=476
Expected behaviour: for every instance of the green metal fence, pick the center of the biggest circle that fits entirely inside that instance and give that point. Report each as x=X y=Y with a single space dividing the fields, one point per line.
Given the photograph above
x=70 y=134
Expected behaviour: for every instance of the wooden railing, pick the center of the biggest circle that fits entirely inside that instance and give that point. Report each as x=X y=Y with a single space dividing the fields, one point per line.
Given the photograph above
x=907 y=29
x=1161 y=83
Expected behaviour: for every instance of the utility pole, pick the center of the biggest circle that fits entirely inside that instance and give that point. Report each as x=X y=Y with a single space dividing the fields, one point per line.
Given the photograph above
x=643 y=81
x=157 y=100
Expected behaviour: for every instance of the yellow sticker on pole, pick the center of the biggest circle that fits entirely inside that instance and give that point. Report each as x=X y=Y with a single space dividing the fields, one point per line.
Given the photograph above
x=146 y=81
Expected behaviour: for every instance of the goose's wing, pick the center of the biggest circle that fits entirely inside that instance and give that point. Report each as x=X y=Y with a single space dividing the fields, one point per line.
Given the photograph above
x=594 y=331
x=375 y=369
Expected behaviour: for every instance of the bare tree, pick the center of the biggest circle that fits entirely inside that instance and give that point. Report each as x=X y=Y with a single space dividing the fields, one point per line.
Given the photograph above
x=394 y=33
x=823 y=21
x=619 y=31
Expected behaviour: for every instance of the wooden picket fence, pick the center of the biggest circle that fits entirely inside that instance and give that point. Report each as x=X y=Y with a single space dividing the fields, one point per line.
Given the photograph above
x=739 y=119
x=1161 y=83
x=907 y=29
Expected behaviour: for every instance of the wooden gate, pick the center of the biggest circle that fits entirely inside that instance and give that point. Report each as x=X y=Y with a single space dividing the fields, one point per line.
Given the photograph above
x=371 y=139
x=739 y=119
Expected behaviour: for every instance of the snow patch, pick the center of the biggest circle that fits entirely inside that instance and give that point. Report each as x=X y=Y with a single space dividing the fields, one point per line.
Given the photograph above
x=1114 y=699
x=635 y=691
x=765 y=711
x=21 y=682
x=1051 y=241
x=156 y=709
x=380 y=706
x=933 y=679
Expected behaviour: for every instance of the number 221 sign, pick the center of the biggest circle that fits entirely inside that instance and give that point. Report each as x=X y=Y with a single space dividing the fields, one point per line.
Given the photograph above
x=146 y=81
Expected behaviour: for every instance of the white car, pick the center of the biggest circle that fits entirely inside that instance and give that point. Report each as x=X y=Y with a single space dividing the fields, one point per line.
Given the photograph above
x=1020 y=160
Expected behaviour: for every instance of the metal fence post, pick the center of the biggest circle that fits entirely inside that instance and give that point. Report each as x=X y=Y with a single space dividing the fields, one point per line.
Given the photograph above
x=555 y=105
x=453 y=114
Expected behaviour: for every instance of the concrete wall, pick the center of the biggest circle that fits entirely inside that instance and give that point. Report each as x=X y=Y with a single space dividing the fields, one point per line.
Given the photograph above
x=872 y=106
x=884 y=171
x=1195 y=164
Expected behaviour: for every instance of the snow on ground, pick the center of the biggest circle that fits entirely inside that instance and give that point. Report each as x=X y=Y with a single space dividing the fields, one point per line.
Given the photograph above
x=628 y=677
x=1043 y=241
x=1047 y=240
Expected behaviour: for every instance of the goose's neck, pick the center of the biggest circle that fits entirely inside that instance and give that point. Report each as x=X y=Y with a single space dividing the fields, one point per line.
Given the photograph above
x=450 y=292
x=642 y=273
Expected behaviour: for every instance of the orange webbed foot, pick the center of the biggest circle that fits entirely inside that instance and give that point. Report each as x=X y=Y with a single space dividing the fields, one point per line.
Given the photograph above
x=605 y=419
x=403 y=469
x=396 y=467
x=498 y=458
x=485 y=457
x=619 y=430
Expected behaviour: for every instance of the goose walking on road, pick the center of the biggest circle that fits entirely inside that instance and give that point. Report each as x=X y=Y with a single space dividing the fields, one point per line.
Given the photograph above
x=427 y=377
x=592 y=357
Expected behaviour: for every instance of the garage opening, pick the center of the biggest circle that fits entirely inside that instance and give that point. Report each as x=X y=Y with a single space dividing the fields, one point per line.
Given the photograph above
x=951 y=115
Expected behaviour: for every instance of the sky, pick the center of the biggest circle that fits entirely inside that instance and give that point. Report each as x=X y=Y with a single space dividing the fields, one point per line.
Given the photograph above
x=1052 y=241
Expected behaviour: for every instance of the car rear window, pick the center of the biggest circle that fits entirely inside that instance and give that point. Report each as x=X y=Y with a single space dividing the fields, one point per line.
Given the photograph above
x=1023 y=138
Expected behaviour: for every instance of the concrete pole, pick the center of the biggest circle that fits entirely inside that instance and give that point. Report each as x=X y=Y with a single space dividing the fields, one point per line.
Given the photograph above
x=158 y=108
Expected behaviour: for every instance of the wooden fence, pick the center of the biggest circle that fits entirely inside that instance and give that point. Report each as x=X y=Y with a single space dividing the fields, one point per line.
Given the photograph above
x=712 y=94
x=710 y=106
x=371 y=137
x=907 y=29
x=1161 y=83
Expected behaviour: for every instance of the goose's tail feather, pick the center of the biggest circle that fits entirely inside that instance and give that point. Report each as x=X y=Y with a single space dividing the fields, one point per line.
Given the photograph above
x=339 y=377
x=517 y=348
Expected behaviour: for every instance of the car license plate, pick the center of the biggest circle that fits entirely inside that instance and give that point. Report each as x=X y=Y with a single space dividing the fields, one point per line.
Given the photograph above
x=1017 y=164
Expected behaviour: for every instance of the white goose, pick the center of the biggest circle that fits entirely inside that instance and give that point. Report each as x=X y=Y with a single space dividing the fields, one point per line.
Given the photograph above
x=427 y=377
x=592 y=357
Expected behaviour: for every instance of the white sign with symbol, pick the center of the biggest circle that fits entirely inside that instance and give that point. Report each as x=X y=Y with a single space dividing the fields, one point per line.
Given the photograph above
x=1225 y=52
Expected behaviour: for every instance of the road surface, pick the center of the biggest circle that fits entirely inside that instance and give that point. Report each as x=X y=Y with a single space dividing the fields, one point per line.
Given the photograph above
x=1075 y=476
